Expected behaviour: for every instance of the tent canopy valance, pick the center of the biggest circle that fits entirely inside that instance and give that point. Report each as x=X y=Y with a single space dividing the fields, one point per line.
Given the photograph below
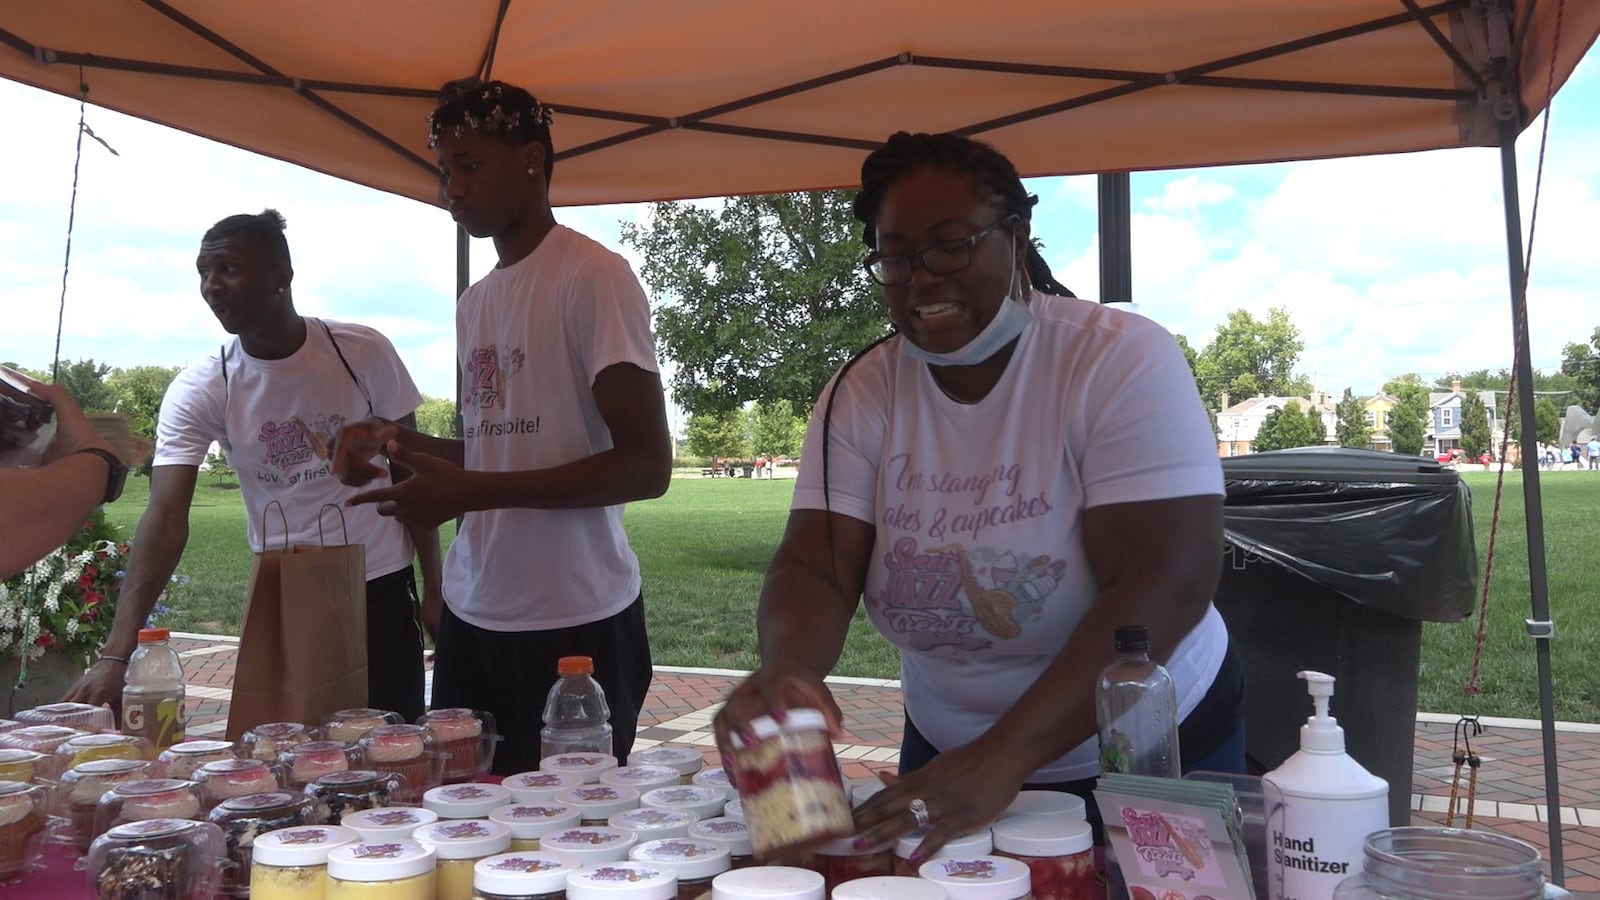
x=715 y=97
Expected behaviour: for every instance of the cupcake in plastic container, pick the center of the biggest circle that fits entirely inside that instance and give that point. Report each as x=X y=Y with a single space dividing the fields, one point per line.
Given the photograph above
x=245 y=818
x=184 y=759
x=82 y=716
x=22 y=826
x=149 y=798
x=305 y=763
x=266 y=741
x=43 y=740
x=350 y=724
x=340 y=793
x=20 y=765
x=77 y=796
x=165 y=858
x=406 y=750
x=90 y=747
x=227 y=778
x=466 y=738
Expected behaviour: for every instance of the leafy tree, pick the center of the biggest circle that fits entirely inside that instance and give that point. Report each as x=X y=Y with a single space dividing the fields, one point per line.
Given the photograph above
x=775 y=430
x=1250 y=357
x=1352 y=429
x=1475 y=436
x=1582 y=363
x=1408 y=420
x=1546 y=420
x=762 y=298
x=1484 y=380
x=137 y=393
x=437 y=416
x=1287 y=427
x=85 y=381
x=718 y=433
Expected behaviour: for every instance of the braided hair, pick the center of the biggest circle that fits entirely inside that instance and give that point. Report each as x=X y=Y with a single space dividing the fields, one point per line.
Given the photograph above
x=904 y=152
x=266 y=226
x=496 y=109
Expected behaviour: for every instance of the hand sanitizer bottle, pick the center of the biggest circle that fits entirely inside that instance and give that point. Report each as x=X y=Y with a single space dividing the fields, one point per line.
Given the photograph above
x=1321 y=805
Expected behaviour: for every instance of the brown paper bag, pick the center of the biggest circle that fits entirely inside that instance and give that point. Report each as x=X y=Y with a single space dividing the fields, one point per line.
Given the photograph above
x=303 y=653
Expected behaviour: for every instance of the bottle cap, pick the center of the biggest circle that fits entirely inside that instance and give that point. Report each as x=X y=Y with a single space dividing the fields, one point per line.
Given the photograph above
x=574 y=665
x=152 y=635
x=1321 y=733
x=1132 y=638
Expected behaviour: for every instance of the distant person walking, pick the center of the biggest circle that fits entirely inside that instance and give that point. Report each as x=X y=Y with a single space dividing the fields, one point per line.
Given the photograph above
x=1594 y=453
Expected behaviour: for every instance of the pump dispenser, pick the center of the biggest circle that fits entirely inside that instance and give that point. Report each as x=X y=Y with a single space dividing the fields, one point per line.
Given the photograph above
x=1321 y=805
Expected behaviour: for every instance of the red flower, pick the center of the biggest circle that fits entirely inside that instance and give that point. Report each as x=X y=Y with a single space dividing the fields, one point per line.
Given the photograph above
x=46 y=640
x=92 y=598
x=85 y=581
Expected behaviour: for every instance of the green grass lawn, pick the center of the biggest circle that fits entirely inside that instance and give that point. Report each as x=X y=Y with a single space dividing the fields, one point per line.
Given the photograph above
x=705 y=545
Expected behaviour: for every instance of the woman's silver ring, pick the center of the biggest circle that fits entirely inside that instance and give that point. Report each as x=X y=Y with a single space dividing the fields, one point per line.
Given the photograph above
x=919 y=811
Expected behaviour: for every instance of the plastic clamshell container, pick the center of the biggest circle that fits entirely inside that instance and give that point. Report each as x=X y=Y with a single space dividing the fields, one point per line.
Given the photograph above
x=184 y=759
x=157 y=858
x=24 y=815
x=466 y=801
x=90 y=747
x=340 y=793
x=20 y=765
x=687 y=761
x=521 y=875
x=306 y=762
x=292 y=863
x=149 y=798
x=388 y=823
x=43 y=740
x=590 y=845
x=245 y=818
x=626 y=879
x=979 y=877
x=350 y=724
x=790 y=788
x=77 y=796
x=769 y=883
x=466 y=738
x=641 y=778
x=531 y=821
x=407 y=751
x=889 y=887
x=650 y=823
x=266 y=741
x=586 y=765
x=540 y=787
x=596 y=803
x=227 y=778
x=81 y=716
x=387 y=870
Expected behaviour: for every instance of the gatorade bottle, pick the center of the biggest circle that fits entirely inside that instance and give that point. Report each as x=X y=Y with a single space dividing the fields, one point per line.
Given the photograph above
x=576 y=717
x=152 y=695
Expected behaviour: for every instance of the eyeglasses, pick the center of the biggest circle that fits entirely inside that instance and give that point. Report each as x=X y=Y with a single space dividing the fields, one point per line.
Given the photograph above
x=943 y=258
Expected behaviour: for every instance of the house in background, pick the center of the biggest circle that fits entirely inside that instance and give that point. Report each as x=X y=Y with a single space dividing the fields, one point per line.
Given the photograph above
x=1238 y=425
x=1444 y=411
x=1378 y=407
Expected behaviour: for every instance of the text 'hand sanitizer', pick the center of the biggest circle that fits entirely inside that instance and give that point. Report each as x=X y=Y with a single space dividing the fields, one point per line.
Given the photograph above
x=1321 y=805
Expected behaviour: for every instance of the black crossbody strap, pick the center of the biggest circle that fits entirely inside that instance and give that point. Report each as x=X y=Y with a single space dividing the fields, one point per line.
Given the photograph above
x=346 y=363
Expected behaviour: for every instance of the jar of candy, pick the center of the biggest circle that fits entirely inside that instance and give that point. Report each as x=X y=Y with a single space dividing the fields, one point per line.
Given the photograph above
x=292 y=863
x=977 y=843
x=731 y=833
x=889 y=887
x=587 y=766
x=23 y=814
x=407 y=751
x=1059 y=853
x=308 y=761
x=266 y=741
x=640 y=778
x=80 y=789
x=652 y=824
x=184 y=759
x=590 y=845
x=685 y=760
x=227 y=778
x=149 y=798
x=157 y=858
x=349 y=725
x=531 y=821
x=338 y=793
x=840 y=860
x=979 y=877
x=540 y=787
x=596 y=803
x=466 y=738
x=626 y=880
x=768 y=883
x=391 y=870
x=694 y=862
x=388 y=823
x=244 y=819
x=466 y=801
x=789 y=783
x=521 y=876
x=459 y=844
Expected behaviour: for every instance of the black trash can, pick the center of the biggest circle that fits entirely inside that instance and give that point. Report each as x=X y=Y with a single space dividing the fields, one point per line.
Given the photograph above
x=1333 y=560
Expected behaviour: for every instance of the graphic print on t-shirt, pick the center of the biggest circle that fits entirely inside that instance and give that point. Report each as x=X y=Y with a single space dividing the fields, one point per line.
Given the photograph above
x=292 y=446
x=962 y=598
x=487 y=371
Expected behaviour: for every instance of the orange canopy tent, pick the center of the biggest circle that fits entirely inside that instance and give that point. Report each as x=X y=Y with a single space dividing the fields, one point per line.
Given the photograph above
x=658 y=100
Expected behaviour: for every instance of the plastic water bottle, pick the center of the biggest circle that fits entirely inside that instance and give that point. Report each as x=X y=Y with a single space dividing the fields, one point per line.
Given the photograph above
x=152 y=695
x=576 y=717
x=1136 y=705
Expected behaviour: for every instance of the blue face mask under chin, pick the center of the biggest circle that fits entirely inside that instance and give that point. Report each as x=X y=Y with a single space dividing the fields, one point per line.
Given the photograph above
x=1008 y=322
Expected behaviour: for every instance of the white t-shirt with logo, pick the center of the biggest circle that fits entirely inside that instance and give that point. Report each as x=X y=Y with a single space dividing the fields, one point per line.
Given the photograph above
x=532 y=337
x=978 y=573
x=275 y=419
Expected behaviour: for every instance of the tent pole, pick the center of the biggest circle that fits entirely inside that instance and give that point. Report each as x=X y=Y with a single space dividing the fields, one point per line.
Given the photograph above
x=1116 y=240
x=463 y=281
x=1540 y=626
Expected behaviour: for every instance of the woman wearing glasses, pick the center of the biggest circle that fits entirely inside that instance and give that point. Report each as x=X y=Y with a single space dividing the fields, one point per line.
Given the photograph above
x=1005 y=479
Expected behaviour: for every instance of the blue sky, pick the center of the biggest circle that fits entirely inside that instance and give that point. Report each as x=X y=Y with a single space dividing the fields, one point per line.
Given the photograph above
x=1387 y=264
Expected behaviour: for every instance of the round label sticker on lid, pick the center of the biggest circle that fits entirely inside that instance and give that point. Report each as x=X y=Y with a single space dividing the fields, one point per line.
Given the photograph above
x=633 y=880
x=465 y=838
x=688 y=858
x=979 y=877
x=380 y=860
x=466 y=801
x=383 y=823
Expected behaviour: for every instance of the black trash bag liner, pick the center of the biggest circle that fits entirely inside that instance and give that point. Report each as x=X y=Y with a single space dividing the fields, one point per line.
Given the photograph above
x=1384 y=530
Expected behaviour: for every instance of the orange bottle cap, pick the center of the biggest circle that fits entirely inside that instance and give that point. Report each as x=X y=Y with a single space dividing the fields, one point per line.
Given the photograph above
x=151 y=635
x=574 y=665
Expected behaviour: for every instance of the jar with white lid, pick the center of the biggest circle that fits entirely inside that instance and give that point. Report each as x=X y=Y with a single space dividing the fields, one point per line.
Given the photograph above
x=715 y=777
x=521 y=876
x=768 y=883
x=77 y=795
x=184 y=759
x=340 y=793
x=243 y=819
x=734 y=809
x=292 y=863
x=388 y=823
x=227 y=778
x=685 y=760
x=531 y=821
x=306 y=762
x=790 y=788
x=840 y=860
x=979 y=877
x=652 y=824
x=704 y=802
x=596 y=803
x=732 y=833
x=1058 y=853
x=641 y=778
x=460 y=843
x=590 y=845
x=889 y=887
x=694 y=862
x=472 y=800
x=267 y=740
x=540 y=787
x=978 y=843
x=625 y=880
x=1049 y=804
x=587 y=766
x=390 y=870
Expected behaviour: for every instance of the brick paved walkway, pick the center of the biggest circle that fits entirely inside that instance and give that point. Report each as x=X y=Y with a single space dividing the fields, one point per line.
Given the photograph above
x=682 y=701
